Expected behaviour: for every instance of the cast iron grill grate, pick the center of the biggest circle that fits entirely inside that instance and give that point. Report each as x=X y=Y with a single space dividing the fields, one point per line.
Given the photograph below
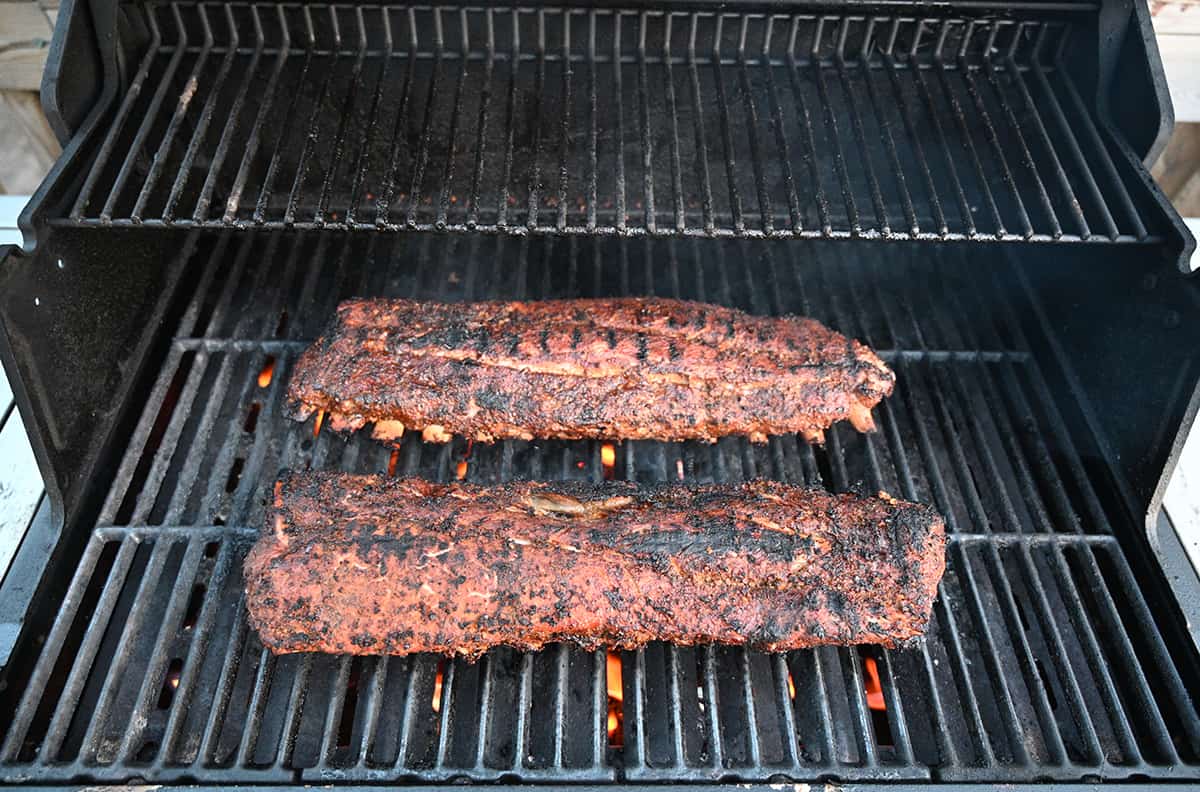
x=1045 y=660
x=692 y=123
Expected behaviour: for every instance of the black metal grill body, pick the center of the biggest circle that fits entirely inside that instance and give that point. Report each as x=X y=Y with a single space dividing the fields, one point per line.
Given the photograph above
x=941 y=187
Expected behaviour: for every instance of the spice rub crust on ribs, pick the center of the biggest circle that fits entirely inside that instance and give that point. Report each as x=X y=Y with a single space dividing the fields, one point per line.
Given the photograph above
x=367 y=564
x=634 y=368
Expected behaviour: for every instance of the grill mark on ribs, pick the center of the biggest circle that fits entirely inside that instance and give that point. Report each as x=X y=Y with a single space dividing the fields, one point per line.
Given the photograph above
x=370 y=564
x=575 y=369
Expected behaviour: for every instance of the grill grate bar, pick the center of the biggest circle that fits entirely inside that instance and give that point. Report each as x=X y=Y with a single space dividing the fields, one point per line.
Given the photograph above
x=593 y=171
x=566 y=126
x=985 y=637
x=706 y=195
x=1148 y=706
x=447 y=693
x=190 y=673
x=279 y=149
x=1033 y=680
x=1025 y=157
x=339 y=144
x=600 y=708
x=306 y=148
x=373 y=711
x=252 y=733
x=253 y=141
x=1095 y=751
x=935 y=203
x=521 y=730
x=90 y=746
x=885 y=124
x=675 y=699
x=204 y=199
x=1177 y=690
x=363 y=159
x=944 y=145
x=192 y=86
x=675 y=162
x=955 y=386
x=1040 y=127
x=751 y=113
x=856 y=124
x=509 y=118
x=635 y=750
x=36 y=687
x=753 y=748
x=863 y=729
x=560 y=704
x=143 y=130
x=1066 y=131
x=1115 y=183
x=1122 y=727
x=408 y=717
x=735 y=199
x=643 y=92
x=224 y=689
x=387 y=194
x=810 y=154
x=422 y=158
x=968 y=143
x=104 y=154
x=895 y=709
x=785 y=704
x=206 y=114
x=51 y=744
x=829 y=753
x=779 y=127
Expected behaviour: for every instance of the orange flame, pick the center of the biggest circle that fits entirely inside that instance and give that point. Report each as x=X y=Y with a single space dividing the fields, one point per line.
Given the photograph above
x=392 y=460
x=608 y=459
x=873 y=685
x=266 y=372
x=460 y=471
x=613 y=676
x=437 y=690
x=791 y=687
x=317 y=423
x=616 y=695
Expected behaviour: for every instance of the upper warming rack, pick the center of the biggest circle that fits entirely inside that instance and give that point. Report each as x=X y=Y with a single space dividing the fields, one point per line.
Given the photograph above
x=681 y=122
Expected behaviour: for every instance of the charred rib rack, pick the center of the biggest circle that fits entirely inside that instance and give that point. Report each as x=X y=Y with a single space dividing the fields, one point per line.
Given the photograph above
x=368 y=564
x=573 y=369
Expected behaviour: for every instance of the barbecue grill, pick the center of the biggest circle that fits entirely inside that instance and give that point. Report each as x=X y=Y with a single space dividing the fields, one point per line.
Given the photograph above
x=962 y=186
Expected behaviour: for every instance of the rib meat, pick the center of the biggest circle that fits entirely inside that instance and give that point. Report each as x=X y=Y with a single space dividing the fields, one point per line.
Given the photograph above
x=572 y=369
x=376 y=565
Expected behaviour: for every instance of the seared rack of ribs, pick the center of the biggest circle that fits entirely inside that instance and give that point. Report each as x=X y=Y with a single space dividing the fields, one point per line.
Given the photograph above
x=635 y=368
x=369 y=564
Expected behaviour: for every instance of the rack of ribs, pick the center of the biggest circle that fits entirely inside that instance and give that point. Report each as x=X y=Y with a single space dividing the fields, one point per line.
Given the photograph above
x=368 y=564
x=636 y=368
